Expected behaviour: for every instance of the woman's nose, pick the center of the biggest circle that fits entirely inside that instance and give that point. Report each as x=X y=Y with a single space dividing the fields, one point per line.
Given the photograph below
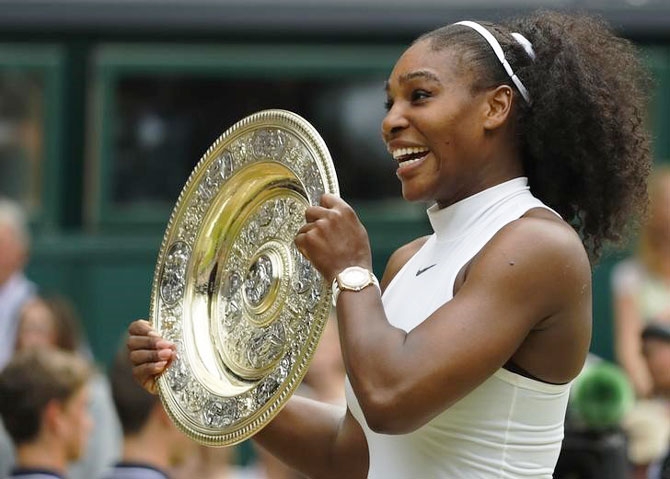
x=394 y=121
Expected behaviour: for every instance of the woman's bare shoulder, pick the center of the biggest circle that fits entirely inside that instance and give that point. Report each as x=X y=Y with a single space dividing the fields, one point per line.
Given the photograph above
x=399 y=258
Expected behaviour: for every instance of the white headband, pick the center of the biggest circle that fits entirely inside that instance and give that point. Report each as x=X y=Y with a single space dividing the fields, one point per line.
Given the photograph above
x=497 y=49
x=525 y=43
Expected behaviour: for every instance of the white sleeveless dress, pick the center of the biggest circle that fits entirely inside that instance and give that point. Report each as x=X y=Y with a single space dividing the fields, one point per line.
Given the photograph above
x=508 y=427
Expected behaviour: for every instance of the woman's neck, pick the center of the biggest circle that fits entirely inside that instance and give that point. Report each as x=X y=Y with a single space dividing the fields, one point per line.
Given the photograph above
x=499 y=162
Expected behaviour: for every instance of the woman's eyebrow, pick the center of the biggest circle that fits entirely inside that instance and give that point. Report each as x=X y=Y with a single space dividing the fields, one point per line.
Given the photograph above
x=426 y=74
x=404 y=78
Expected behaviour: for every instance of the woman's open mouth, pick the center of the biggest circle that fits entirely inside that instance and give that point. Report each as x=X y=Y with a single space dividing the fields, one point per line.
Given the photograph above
x=408 y=157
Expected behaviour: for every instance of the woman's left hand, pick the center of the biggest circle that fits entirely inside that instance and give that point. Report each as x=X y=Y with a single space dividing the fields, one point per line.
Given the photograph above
x=334 y=238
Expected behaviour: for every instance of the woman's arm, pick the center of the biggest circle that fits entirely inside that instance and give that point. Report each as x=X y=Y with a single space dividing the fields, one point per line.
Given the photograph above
x=317 y=439
x=531 y=273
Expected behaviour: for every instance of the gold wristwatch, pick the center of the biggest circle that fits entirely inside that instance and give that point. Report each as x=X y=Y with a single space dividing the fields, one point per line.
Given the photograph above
x=353 y=278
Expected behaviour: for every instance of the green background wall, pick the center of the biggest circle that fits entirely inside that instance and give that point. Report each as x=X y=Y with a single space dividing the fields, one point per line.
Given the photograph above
x=107 y=271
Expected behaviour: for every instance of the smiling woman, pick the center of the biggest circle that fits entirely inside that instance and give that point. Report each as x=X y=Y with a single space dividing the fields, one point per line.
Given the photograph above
x=527 y=137
x=433 y=113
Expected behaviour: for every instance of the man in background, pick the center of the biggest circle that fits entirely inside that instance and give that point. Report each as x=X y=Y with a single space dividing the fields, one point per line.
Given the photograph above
x=15 y=289
x=44 y=406
x=151 y=442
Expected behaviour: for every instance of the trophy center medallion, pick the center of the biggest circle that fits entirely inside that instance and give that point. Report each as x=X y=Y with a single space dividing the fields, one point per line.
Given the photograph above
x=259 y=281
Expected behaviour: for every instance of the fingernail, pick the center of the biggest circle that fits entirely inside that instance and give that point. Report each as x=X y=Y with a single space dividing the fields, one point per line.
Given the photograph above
x=152 y=333
x=162 y=344
x=165 y=353
x=161 y=364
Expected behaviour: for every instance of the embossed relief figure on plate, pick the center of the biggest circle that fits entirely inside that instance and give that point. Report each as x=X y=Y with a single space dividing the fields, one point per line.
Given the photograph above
x=462 y=366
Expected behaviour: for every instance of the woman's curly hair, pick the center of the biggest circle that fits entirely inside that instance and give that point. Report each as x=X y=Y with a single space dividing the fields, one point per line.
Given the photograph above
x=582 y=138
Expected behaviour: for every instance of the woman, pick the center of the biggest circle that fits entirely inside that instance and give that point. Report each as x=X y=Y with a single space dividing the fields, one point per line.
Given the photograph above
x=462 y=368
x=642 y=285
x=48 y=322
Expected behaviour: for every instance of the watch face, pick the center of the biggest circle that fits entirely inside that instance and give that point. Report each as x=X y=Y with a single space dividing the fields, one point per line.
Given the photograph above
x=355 y=277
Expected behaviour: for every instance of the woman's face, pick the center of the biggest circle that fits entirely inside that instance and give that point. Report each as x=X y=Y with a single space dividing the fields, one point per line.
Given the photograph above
x=36 y=327
x=433 y=127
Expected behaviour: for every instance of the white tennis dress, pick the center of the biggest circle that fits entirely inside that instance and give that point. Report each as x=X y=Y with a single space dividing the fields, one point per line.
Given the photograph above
x=508 y=427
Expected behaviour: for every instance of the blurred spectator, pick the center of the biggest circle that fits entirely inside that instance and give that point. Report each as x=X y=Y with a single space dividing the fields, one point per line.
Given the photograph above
x=15 y=289
x=43 y=403
x=324 y=380
x=656 y=349
x=642 y=285
x=48 y=322
x=641 y=288
x=151 y=442
x=213 y=463
x=52 y=323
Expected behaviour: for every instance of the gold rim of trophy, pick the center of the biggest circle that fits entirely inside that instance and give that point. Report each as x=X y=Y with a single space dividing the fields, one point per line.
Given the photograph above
x=244 y=307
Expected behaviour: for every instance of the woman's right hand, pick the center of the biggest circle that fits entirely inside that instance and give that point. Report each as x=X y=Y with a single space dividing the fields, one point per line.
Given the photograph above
x=149 y=353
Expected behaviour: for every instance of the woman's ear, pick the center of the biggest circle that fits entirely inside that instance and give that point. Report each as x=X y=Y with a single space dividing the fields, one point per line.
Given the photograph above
x=499 y=105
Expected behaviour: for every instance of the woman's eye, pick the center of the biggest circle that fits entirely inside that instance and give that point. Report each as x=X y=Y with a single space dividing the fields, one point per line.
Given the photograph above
x=418 y=95
x=388 y=104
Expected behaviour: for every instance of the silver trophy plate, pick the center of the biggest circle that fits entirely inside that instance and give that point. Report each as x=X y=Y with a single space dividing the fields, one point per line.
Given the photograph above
x=244 y=307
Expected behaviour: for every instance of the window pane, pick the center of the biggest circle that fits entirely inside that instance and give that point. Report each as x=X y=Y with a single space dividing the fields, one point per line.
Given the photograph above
x=165 y=123
x=21 y=135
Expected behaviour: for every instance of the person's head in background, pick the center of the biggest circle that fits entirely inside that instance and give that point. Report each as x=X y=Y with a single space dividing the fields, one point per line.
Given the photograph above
x=44 y=407
x=48 y=322
x=14 y=240
x=656 y=351
x=149 y=436
x=655 y=238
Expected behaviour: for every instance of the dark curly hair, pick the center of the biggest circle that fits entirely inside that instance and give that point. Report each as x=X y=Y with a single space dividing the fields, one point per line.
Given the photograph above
x=582 y=139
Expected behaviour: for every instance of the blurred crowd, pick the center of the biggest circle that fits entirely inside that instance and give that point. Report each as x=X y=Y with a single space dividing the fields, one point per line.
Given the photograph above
x=62 y=416
x=641 y=291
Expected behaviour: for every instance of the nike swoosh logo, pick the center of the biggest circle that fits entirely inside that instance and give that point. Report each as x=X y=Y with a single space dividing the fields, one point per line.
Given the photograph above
x=423 y=270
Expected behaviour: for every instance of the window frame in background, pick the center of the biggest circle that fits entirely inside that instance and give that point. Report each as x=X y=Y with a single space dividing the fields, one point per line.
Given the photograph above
x=49 y=61
x=111 y=62
x=657 y=59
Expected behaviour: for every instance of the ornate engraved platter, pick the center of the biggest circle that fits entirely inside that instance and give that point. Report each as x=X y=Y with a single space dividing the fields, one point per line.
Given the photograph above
x=244 y=307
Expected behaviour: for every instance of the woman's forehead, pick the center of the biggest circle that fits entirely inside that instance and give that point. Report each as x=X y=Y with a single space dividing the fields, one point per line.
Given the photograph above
x=422 y=60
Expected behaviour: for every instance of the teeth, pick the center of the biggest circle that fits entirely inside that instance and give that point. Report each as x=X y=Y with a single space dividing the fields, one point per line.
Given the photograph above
x=409 y=162
x=400 y=152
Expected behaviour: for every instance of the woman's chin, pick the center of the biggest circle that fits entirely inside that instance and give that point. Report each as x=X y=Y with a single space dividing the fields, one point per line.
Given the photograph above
x=412 y=194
